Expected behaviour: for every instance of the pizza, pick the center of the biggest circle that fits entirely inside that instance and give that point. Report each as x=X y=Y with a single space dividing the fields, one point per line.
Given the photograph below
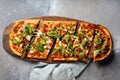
x=61 y=40
x=21 y=34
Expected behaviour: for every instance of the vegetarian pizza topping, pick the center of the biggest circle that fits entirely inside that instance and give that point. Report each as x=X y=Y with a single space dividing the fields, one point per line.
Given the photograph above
x=15 y=41
x=40 y=47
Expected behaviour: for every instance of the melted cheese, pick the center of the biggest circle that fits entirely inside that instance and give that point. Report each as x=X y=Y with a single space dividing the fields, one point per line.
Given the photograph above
x=31 y=51
x=85 y=39
x=60 y=43
x=45 y=46
x=17 y=38
x=48 y=41
x=21 y=45
x=94 y=53
x=28 y=37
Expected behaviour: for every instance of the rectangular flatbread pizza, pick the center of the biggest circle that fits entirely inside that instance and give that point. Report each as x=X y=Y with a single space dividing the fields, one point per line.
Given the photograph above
x=63 y=40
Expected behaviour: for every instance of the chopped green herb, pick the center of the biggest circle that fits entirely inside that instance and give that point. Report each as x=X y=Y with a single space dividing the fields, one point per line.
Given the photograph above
x=79 y=34
x=15 y=41
x=84 y=42
x=39 y=47
x=28 y=29
x=72 y=28
x=98 y=34
x=63 y=50
x=54 y=29
x=53 y=34
x=96 y=41
x=97 y=52
x=66 y=37
x=82 y=54
x=74 y=53
x=54 y=51
x=22 y=35
x=44 y=38
x=104 y=44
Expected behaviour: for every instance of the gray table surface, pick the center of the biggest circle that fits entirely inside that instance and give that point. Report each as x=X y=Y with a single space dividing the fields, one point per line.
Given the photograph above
x=105 y=12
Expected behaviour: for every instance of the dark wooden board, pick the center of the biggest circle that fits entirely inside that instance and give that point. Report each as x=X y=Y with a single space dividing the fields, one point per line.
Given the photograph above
x=50 y=18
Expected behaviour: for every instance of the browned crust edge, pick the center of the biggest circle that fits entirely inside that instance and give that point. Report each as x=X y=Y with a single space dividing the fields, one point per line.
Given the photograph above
x=11 y=37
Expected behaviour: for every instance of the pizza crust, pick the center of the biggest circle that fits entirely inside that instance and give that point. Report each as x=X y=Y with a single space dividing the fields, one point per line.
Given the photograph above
x=11 y=36
x=36 y=57
x=66 y=59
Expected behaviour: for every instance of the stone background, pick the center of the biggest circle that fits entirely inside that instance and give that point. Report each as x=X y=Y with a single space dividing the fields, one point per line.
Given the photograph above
x=105 y=12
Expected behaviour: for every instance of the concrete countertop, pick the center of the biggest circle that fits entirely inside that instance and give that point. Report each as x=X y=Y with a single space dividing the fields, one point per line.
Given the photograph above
x=105 y=12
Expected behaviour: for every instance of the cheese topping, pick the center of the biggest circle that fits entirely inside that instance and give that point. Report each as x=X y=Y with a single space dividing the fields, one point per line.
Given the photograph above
x=31 y=51
x=28 y=37
x=48 y=41
x=21 y=45
x=17 y=38
x=60 y=43
x=45 y=46
x=39 y=33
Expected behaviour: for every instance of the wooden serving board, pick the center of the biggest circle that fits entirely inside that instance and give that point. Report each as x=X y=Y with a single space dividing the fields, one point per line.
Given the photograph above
x=50 y=18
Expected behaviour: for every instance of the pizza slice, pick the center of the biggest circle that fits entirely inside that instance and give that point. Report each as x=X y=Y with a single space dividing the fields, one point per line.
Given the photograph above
x=63 y=50
x=84 y=40
x=40 y=47
x=57 y=29
x=21 y=34
x=102 y=43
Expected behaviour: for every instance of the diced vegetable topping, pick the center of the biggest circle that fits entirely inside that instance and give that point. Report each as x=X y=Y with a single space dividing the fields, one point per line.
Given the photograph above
x=44 y=38
x=98 y=41
x=72 y=28
x=40 y=47
x=53 y=34
x=74 y=53
x=63 y=50
x=84 y=42
x=82 y=54
x=28 y=29
x=97 y=52
x=101 y=50
x=15 y=41
x=79 y=34
x=66 y=37
x=104 y=44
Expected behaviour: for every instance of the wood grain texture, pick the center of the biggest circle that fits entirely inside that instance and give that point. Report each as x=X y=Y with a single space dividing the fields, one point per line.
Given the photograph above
x=49 y=18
